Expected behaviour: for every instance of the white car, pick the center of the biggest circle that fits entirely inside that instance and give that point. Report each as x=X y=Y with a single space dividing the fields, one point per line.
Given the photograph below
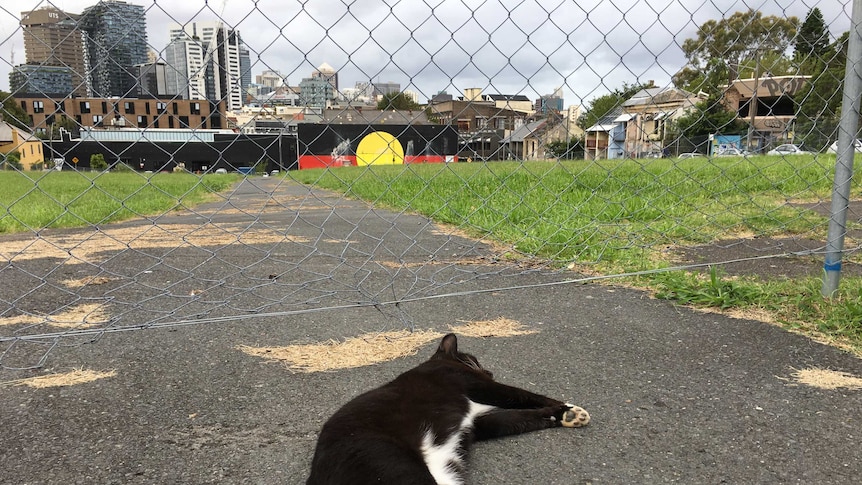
x=787 y=149
x=833 y=148
x=732 y=152
x=685 y=156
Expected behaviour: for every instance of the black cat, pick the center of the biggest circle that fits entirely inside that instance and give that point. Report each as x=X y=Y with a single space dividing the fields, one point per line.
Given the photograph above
x=416 y=429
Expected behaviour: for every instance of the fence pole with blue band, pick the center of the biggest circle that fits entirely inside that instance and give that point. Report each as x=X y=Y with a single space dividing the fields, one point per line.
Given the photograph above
x=845 y=152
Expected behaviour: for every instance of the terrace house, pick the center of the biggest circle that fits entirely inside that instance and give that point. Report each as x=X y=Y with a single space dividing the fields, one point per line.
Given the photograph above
x=29 y=148
x=606 y=138
x=648 y=115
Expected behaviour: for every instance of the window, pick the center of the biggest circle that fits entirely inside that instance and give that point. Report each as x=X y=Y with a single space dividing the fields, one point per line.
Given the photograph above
x=176 y=108
x=204 y=122
x=184 y=121
x=61 y=106
x=147 y=108
x=97 y=120
x=85 y=107
x=482 y=122
x=129 y=107
x=171 y=122
x=38 y=106
x=155 y=123
x=105 y=107
x=196 y=108
x=161 y=107
x=142 y=121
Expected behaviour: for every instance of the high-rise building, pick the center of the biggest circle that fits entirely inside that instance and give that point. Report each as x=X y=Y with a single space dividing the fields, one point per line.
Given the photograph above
x=213 y=53
x=52 y=38
x=35 y=79
x=151 y=80
x=328 y=74
x=382 y=89
x=315 y=92
x=115 y=40
x=184 y=71
x=271 y=79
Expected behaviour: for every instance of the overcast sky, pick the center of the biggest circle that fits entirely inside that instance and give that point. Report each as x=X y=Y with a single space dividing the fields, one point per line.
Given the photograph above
x=529 y=47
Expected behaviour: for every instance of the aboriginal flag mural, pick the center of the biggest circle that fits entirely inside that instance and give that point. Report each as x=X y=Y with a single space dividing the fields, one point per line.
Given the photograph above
x=335 y=145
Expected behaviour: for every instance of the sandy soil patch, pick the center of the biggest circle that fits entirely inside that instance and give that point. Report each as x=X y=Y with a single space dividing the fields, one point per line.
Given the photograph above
x=827 y=379
x=86 y=245
x=81 y=316
x=75 y=377
x=373 y=348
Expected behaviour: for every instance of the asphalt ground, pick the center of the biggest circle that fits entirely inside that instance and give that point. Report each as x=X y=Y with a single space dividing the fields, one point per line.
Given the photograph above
x=675 y=395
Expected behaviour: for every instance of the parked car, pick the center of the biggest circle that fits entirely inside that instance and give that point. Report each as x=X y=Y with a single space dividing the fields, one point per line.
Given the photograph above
x=685 y=156
x=788 y=149
x=833 y=148
x=732 y=152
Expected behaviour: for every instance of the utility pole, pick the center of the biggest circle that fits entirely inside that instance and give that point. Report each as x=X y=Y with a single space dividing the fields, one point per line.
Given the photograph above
x=752 y=103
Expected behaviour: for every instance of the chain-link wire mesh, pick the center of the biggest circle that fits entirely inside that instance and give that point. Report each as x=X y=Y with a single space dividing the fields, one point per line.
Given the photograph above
x=186 y=164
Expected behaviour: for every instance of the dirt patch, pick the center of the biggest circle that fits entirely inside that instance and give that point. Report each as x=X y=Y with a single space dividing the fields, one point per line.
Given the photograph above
x=85 y=245
x=827 y=379
x=374 y=348
x=75 y=377
x=81 y=316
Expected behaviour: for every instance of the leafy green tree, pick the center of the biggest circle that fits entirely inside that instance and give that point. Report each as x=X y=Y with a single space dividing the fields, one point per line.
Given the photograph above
x=574 y=149
x=12 y=113
x=602 y=105
x=12 y=161
x=820 y=99
x=812 y=48
x=709 y=117
x=98 y=163
x=398 y=101
x=721 y=46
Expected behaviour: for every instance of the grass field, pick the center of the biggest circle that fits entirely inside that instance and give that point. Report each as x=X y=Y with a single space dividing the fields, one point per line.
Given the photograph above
x=36 y=200
x=613 y=217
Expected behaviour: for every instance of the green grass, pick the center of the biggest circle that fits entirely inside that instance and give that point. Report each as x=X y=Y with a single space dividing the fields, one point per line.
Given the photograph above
x=617 y=216
x=32 y=201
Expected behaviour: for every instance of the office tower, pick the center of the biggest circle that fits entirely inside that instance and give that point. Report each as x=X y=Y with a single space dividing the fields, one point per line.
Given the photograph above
x=52 y=38
x=115 y=40
x=208 y=55
x=327 y=73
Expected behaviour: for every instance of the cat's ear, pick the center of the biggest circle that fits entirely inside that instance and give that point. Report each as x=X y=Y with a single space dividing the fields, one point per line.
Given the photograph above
x=449 y=345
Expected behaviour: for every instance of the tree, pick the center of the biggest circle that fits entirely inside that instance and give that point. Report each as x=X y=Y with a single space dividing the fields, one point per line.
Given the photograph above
x=721 y=46
x=398 y=101
x=97 y=162
x=707 y=118
x=12 y=113
x=602 y=105
x=812 y=47
x=820 y=100
x=574 y=149
x=12 y=161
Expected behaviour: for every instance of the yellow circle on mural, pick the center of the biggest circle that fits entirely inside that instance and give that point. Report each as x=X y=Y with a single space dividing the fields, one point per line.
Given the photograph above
x=379 y=148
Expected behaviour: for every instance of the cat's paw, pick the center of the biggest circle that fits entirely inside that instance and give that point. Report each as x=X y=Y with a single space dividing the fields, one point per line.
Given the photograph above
x=574 y=416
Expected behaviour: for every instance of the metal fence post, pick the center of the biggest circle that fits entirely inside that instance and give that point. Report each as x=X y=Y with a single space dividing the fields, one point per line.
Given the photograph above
x=846 y=150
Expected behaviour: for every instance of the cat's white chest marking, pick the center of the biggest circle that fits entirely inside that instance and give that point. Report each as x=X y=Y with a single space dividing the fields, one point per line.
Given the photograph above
x=440 y=458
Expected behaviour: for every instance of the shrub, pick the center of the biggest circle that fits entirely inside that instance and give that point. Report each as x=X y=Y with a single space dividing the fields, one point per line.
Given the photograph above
x=97 y=162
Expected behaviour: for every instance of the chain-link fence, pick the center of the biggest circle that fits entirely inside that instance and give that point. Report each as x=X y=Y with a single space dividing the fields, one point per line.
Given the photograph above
x=185 y=164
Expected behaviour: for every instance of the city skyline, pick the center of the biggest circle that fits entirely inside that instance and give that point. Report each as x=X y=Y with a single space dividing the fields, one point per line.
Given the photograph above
x=588 y=50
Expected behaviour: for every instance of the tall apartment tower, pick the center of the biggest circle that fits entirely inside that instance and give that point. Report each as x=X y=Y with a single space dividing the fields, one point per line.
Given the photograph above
x=327 y=73
x=208 y=56
x=52 y=38
x=115 y=40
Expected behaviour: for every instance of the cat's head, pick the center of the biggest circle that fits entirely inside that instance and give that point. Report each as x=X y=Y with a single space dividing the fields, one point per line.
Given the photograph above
x=448 y=350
